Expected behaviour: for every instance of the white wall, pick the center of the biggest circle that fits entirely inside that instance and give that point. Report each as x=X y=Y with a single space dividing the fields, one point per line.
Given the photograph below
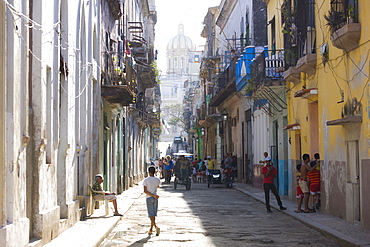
x=260 y=132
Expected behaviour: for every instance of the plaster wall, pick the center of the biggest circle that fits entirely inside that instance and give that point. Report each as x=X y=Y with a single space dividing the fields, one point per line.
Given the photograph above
x=341 y=84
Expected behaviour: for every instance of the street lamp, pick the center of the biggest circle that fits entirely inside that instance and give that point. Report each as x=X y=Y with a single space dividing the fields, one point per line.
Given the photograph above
x=224 y=115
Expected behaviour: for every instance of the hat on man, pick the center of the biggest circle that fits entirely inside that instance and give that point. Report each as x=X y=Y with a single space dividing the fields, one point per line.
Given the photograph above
x=268 y=159
x=98 y=175
x=208 y=157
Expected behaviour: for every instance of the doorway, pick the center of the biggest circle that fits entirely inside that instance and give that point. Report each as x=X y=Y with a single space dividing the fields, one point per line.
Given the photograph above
x=353 y=204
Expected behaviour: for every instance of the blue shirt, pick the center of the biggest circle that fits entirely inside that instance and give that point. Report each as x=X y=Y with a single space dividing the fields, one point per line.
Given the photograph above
x=168 y=165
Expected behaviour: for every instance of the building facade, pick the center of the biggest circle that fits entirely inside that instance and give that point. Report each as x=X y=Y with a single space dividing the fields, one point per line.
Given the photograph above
x=325 y=47
x=62 y=121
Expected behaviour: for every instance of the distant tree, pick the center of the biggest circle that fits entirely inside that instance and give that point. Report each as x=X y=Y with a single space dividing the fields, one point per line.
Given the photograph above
x=175 y=115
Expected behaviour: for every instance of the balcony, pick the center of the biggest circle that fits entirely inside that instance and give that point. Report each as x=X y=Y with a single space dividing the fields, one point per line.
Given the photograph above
x=224 y=85
x=342 y=20
x=267 y=81
x=268 y=69
x=114 y=87
x=139 y=51
x=292 y=75
x=307 y=64
x=347 y=37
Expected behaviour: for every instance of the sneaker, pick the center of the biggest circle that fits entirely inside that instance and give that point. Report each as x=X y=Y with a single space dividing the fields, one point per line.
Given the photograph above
x=269 y=211
x=157 y=231
x=117 y=214
x=282 y=208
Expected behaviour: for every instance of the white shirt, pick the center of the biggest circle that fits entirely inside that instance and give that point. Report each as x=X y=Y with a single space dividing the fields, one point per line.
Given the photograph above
x=151 y=184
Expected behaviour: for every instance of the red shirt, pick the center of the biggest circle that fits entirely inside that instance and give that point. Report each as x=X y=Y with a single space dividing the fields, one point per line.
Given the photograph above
x=314 y=176
x=269 y=179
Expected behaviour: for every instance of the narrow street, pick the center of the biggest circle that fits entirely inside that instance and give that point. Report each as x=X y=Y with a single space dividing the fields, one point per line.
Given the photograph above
x=214 y=216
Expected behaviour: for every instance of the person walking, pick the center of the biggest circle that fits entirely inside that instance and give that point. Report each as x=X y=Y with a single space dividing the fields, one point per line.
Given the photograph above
x=269 y=173
x=151 y=184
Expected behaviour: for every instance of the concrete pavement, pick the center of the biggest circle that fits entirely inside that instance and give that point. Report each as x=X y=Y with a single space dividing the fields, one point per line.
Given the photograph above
x=93 y=230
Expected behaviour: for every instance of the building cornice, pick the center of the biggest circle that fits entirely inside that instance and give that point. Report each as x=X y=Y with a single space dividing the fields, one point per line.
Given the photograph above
x=225 y=12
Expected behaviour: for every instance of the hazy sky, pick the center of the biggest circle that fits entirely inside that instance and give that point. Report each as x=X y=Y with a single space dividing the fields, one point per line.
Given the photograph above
x=170 y=14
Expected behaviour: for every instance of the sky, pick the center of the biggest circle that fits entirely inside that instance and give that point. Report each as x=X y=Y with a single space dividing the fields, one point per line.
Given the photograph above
x=171 y=13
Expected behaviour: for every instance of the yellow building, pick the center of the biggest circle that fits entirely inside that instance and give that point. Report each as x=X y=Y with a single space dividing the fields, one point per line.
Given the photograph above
x=326 y=49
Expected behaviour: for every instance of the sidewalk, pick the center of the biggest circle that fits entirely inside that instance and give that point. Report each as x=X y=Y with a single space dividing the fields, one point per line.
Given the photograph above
x=341 y=231
x=96 y=228
x=92 y=231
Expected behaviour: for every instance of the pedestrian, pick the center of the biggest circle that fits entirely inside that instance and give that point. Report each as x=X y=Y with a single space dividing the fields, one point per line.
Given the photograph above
x=151 y=184
x=269 y=173
x=234 y=167
x=194 y=173
x=265 y=154
x=305 y=168
x=160 y=165
x=107 y=195
x=299 y=194
x=205 y=169
x=210 y=167
x=227 y=161
x=314 y=179
x=168 y=167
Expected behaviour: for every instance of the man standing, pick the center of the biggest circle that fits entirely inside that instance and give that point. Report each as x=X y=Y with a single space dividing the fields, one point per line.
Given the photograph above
x=151 y=184
x=305 y=168
x=109 y=196
x=168 y=167
x=269 y=173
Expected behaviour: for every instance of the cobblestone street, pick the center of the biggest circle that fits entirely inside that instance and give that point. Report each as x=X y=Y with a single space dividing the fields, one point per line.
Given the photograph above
x=214 y=216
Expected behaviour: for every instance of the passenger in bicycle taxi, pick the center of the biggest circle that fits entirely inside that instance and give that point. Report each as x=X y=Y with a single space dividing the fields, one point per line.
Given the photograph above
x=184 y=165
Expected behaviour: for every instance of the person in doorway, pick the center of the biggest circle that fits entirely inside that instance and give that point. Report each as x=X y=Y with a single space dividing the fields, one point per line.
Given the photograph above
x=108 y=195
x=151 y=184
x=305 y=168
x=269 y=173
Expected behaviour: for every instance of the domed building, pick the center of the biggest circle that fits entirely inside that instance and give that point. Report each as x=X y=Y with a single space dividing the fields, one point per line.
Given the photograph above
x=179 y=53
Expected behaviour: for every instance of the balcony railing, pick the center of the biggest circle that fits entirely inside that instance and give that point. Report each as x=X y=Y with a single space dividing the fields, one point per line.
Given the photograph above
x=223 y=80
x=268 y=67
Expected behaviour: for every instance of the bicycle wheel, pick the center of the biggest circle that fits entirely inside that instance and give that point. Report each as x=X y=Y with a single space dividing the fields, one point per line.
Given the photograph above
x=188 y=184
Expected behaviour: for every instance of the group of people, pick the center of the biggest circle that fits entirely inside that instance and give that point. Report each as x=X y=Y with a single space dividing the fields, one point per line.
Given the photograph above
x=308 y=184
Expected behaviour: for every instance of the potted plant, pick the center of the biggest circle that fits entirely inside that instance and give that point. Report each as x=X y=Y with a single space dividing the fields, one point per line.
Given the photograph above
x=335 y=20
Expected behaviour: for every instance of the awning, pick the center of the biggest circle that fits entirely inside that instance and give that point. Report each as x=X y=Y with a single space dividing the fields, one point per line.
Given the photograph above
x=295 y=126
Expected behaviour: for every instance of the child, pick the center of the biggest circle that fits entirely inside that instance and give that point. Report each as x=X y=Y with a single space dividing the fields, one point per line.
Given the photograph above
x=199 y=177
x=314 y=177
x=300 y=194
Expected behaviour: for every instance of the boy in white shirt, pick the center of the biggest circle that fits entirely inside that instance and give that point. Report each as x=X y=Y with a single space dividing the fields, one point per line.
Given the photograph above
x=151 y=184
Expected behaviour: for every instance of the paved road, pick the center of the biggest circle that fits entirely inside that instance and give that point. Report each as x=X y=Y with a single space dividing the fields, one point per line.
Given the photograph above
x=214 y=216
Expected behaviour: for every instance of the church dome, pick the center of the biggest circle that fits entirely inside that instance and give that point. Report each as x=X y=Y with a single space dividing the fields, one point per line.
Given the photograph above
x=180 y=41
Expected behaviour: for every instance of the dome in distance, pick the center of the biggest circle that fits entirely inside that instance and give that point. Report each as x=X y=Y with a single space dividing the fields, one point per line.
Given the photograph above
x=180 y=41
